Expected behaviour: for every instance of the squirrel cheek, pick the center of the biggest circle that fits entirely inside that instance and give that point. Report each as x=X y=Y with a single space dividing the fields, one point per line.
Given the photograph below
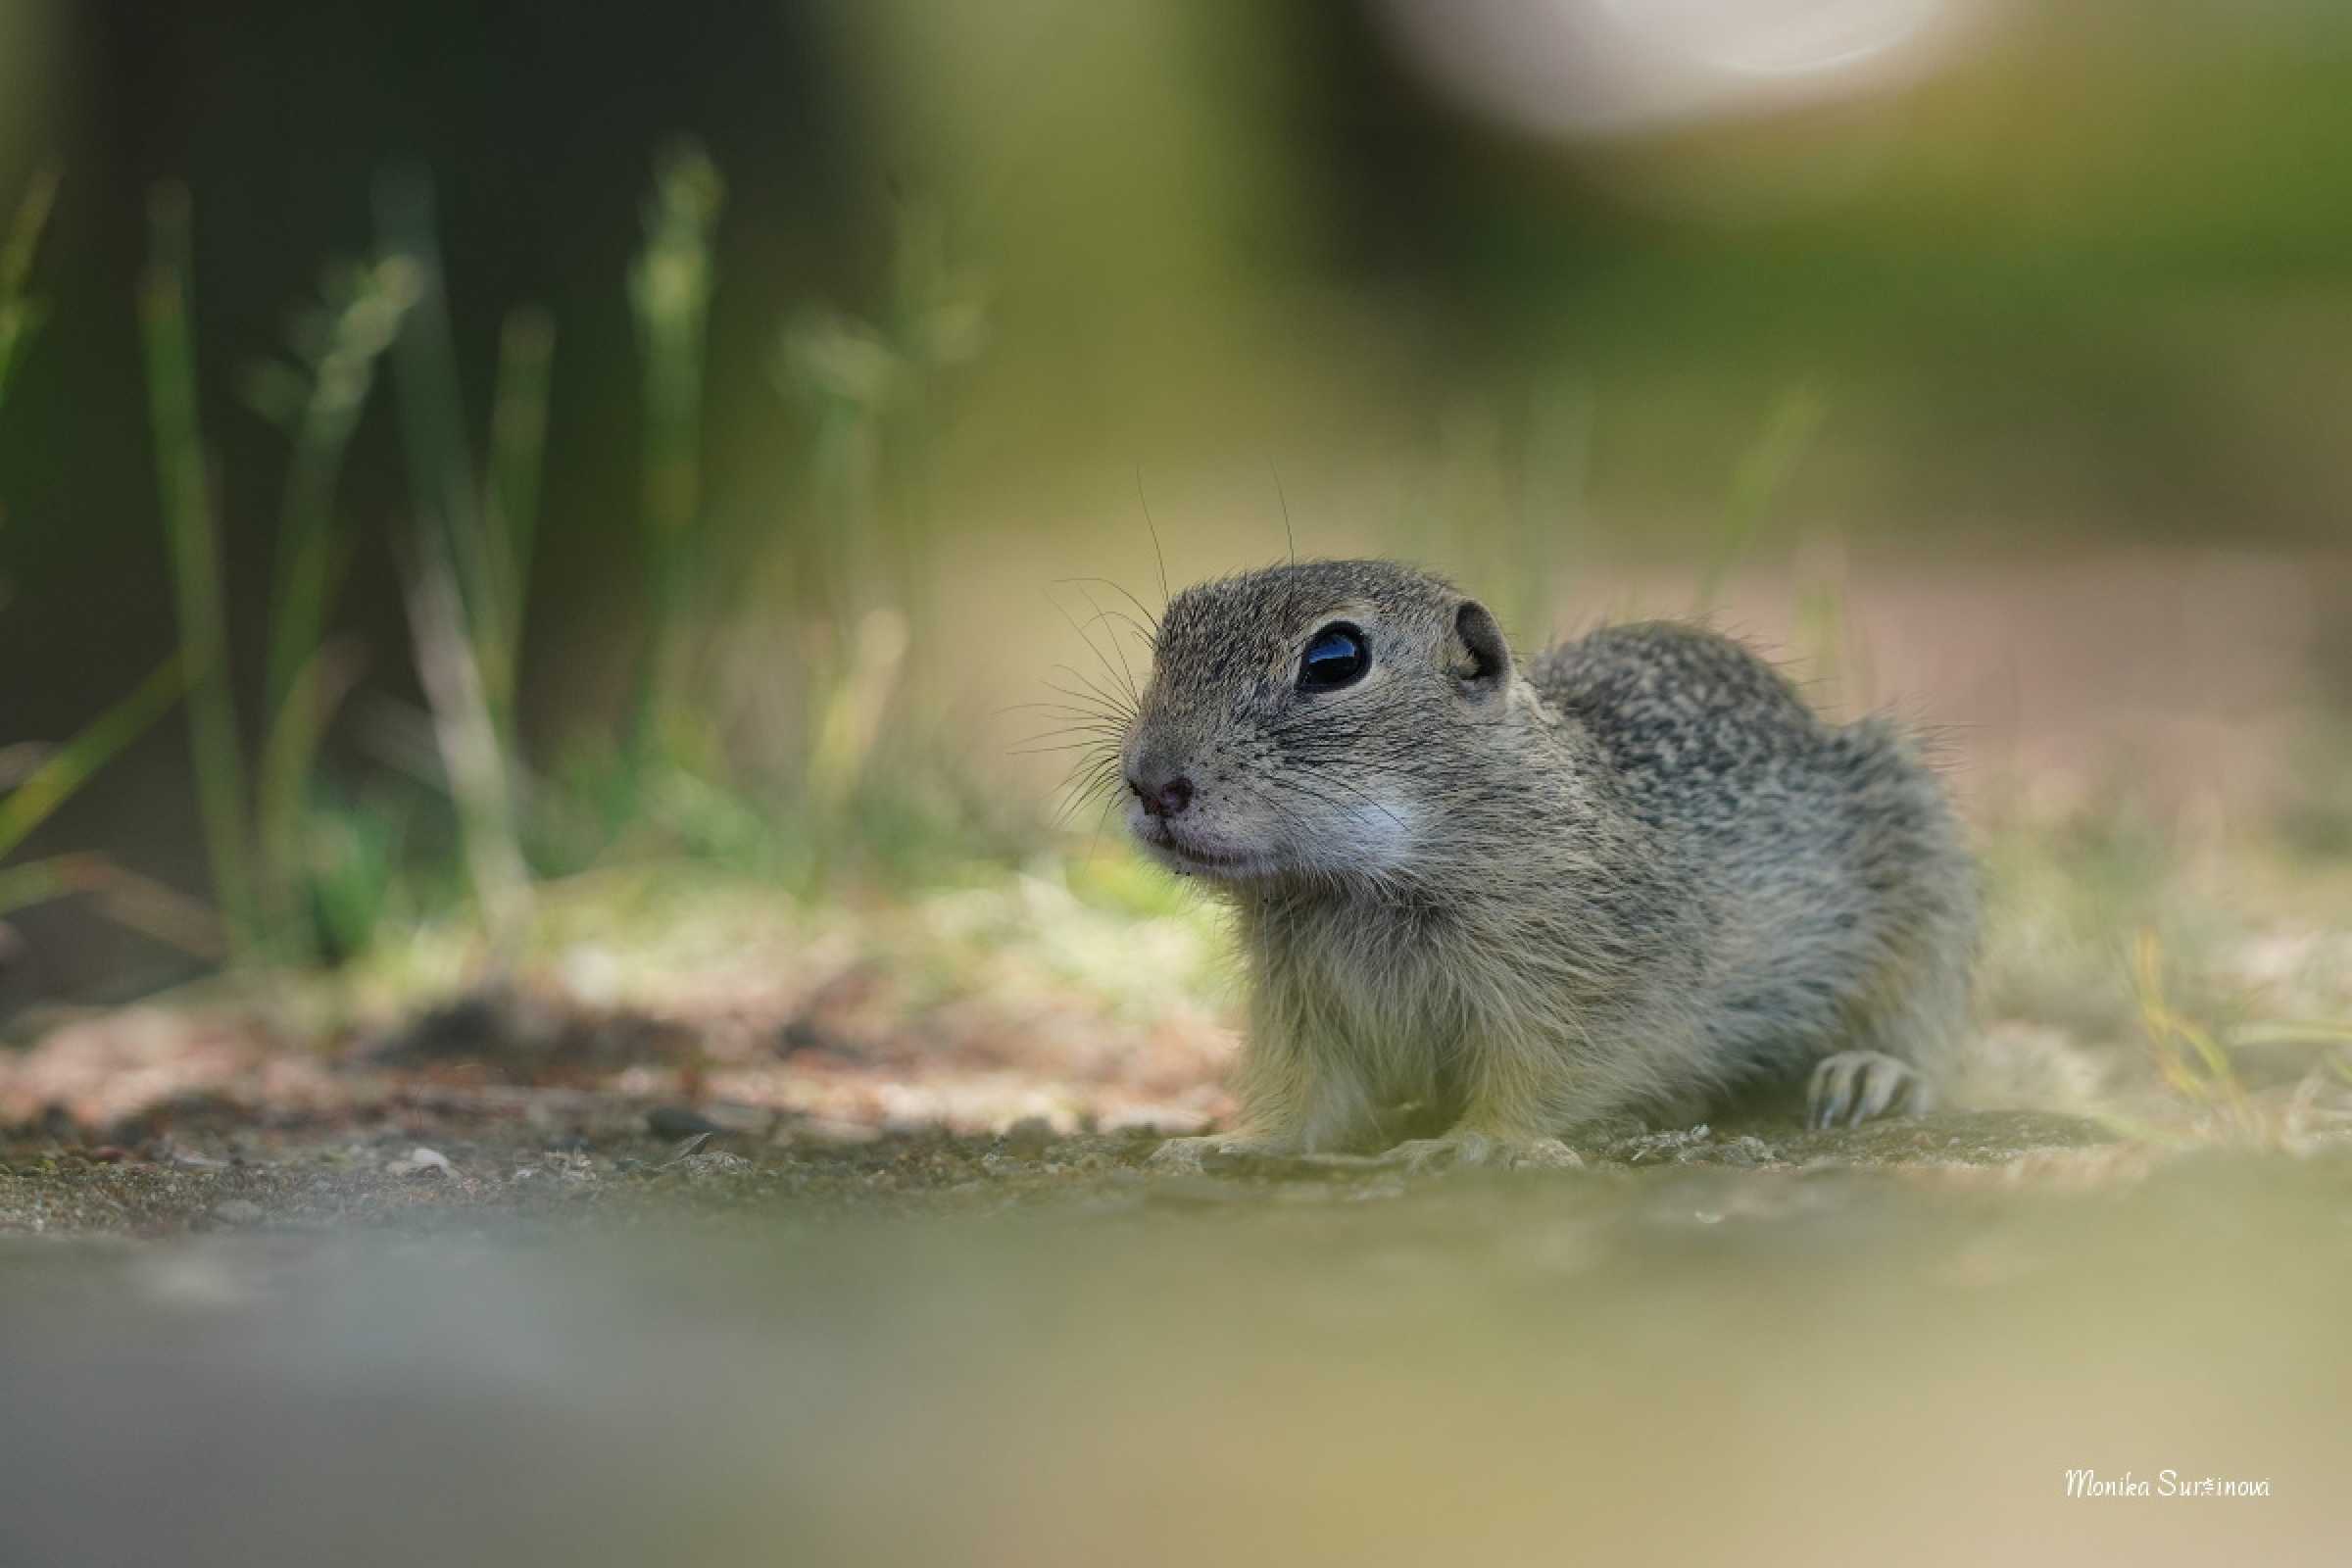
x=1380 y=833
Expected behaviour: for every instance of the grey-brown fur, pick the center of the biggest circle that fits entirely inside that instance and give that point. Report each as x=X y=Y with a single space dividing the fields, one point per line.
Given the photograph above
x=1622 y=881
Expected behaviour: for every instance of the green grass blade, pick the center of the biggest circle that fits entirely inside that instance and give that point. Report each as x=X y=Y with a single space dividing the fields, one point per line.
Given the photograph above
x=21 y=317
x=518 y=443
x=473 y=758
x=669 y=289
x=2305 y=1032
x=1763 y=472
x=72 y=765
x=286 y=761
x=134 y=901
x=432 y=405
x=363 y=320
x=333 y=398
x=194 y=538
x=24 y=233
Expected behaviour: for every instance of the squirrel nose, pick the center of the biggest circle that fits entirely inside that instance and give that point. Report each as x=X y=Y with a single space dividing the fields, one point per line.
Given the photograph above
x=1169 y=799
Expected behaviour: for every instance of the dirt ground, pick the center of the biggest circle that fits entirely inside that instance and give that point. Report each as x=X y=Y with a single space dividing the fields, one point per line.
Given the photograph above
x=424 y=1160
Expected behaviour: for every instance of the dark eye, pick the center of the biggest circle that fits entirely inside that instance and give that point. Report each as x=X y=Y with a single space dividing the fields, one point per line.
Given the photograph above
x=1337 y=656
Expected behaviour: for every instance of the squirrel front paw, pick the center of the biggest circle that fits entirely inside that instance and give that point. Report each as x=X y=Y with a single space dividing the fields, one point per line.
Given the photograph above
x=1461 y=1149
x=1851 y=1086
x=1192 y=1155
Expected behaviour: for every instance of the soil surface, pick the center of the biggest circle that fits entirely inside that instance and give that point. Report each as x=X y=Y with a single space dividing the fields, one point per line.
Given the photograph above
x=531 y=1344
x=442 y=1159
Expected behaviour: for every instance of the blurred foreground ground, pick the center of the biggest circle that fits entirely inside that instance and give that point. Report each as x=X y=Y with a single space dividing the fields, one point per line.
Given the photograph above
x=1658 y=1362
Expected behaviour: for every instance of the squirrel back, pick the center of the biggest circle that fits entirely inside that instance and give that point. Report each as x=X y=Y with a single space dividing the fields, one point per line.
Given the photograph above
x=1842 y=888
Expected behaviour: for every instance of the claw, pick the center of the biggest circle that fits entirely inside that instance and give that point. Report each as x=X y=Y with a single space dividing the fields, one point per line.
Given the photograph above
x=1853 y=1086
x=1826 y=1094
x=1880 y=1091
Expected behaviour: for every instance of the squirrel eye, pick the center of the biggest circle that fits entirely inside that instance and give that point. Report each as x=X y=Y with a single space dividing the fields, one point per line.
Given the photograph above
x=1337 y=656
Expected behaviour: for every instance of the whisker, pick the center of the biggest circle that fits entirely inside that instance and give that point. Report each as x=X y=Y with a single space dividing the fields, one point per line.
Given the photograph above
x=1160 y=558
x=1360 y=795
x=1045 y=707
x=1058 y=741
x=1076 y=792
x=1040 y=750
x=1088 y=682
x=1124 y=669
x=1088 y=639
x=1104 y=704
x=1113 y=585
x=1095 y=842
x=1289 y=537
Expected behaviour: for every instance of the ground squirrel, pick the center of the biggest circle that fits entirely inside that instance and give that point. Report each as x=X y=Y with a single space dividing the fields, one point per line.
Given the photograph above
x=1500 y=903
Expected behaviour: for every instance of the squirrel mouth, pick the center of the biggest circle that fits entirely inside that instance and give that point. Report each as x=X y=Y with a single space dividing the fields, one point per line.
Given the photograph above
x=1201 y=859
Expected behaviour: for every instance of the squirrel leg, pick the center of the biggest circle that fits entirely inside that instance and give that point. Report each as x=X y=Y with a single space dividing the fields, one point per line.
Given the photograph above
x=1300 y=1095
x=1512 y=1091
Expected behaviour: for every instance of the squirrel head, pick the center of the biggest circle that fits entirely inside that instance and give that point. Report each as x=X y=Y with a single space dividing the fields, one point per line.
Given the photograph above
x=1308 y=721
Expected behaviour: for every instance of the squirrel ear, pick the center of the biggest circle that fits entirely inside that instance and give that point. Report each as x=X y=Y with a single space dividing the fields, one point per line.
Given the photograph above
x=1479 y=656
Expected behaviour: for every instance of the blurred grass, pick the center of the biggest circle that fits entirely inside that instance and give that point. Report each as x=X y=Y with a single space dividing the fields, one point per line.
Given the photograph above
x=20 y=313
x=2191 y=1062
x=192 y=532
x=46 y=784
x=458 y=566
x=69 y=766
x=134 y=900
x=337 y=343
x=306 y=868
x=1760 y=479
x=526 y=347
x=669 y=292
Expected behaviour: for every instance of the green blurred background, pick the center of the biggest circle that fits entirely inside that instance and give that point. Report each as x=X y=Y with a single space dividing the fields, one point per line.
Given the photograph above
x=1547 y=296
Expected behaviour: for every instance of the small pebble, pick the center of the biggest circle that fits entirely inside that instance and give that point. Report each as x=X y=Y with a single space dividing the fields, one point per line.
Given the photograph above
x=421 y=1161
